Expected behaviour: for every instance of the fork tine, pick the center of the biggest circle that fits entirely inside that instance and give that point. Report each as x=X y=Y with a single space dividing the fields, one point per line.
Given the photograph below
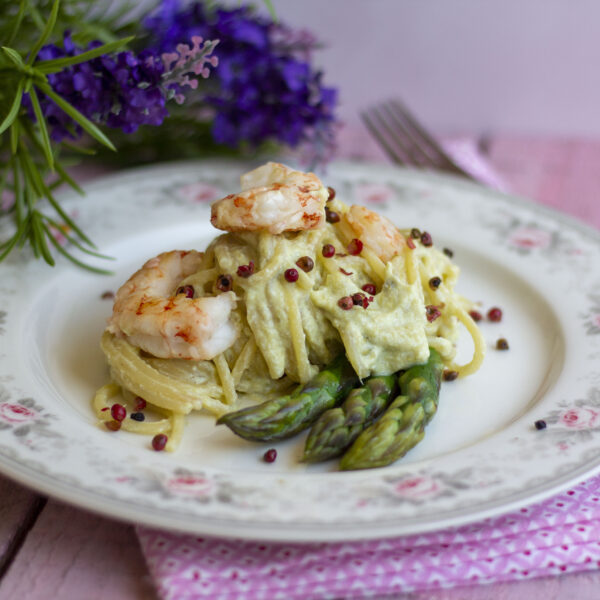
x=405 y=140
x=423 y=139
x=379 y=131
x=411 y=145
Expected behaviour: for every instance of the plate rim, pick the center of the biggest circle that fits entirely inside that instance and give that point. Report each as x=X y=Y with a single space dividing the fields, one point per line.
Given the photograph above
x=305 y=535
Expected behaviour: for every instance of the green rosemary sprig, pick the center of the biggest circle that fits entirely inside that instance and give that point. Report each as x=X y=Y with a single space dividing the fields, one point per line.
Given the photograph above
x=30 y=167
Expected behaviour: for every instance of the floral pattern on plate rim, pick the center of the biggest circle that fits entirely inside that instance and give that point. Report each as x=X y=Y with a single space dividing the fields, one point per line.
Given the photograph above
x=30 y=429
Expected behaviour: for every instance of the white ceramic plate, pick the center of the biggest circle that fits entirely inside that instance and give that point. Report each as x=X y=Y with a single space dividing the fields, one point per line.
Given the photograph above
x=481 y=454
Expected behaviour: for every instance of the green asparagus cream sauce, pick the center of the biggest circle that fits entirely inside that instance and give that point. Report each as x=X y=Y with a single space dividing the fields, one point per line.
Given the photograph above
x=390 y=334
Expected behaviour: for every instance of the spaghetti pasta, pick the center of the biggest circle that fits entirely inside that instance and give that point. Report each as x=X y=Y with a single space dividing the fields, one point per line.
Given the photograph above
x=285 y=332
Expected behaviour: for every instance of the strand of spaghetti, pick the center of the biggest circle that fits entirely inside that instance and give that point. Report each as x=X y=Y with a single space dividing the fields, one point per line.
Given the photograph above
x=202 y=277
x=227 y=382
x=212 y=405
x=133 y=373
x=329 y=264
x=243 y=360
x=298 y=337
x=425 y=274
x=344 y=231
x=267 y=272
x=478 y=343
x=208 y=260
x=177 y=425
x=103 y=401
x=185 y=371
x=376 y=264
x=304 y=281
x=409 y=265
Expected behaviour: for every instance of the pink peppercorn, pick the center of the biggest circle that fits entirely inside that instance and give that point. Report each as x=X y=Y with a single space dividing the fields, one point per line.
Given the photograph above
x=432 y=312
x=355 y=247
x=369 y=288
x=246 y=270
x=113 y=425
x=159 y=442
x=328 y=250
x=270 y=455
x=118 y=412
x=426 y=239
x=291 y=275
x=186 y=290
x=475 y=315
x=360 y=299
x=495 y=314
x=346 y=303
x=140 y=403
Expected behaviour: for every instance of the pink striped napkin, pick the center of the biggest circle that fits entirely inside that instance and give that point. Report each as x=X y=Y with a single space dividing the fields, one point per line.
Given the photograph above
x=554 y=537
x=557 y=536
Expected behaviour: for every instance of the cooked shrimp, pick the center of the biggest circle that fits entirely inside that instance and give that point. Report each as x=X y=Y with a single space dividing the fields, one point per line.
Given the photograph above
x=151 y=315
x=274 y=198
x=375 y=231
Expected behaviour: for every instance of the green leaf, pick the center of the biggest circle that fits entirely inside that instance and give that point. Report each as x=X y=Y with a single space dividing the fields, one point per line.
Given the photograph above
x=40 y=232
x=38 y=182
x=30 y=172
x=79 y=149
x=64 y=176
x=3 y=179
x=31 y=193
x=271 y=9
x=13 y=241
x=14 y=108
x=73 y=241
x=14 y=137
x=46 y=145
x=58 y=64
x=13 y=56
x=30 y=200
x=34 y=13
x=17 y=23
x=45 y=33
x=18 y=190
x=76 y=261
x=85 y=123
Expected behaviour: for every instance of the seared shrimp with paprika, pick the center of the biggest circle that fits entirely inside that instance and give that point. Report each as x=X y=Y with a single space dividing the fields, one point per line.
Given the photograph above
x=152 y=313
x=375 y=231
x=274 y=198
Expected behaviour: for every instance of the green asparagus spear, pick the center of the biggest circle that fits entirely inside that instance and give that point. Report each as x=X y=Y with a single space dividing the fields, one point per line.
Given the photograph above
x=337 y=428
x=284 y=417
x=421 y=383
x=402 y=425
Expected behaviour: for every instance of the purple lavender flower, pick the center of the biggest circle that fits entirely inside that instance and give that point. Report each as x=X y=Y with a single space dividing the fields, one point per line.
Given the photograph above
x=264 y=89
x=122 y=91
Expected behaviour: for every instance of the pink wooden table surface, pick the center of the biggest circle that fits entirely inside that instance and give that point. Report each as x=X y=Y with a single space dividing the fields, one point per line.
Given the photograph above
x=50 y=550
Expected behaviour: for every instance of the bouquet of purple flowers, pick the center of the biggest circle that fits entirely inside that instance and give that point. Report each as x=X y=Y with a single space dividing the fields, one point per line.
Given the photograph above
x=184 y=78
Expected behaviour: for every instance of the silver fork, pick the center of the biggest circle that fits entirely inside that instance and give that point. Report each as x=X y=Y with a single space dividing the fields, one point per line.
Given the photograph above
x=405 y=140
